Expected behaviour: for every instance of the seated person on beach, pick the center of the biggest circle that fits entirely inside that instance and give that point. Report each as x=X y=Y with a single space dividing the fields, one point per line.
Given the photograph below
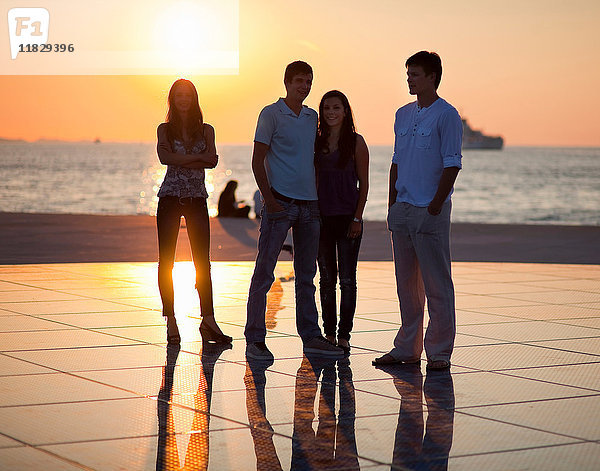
x=228 y=206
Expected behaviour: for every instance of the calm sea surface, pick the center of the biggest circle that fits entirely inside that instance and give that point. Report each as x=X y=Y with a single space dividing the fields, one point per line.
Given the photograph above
x=516 y=185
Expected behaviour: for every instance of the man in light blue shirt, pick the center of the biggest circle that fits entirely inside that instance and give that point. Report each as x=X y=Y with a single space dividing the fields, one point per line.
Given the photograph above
x=283 y=166
x=425 y=164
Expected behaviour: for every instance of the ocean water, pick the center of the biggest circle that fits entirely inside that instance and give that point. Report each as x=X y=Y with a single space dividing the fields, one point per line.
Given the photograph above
x=517 y=185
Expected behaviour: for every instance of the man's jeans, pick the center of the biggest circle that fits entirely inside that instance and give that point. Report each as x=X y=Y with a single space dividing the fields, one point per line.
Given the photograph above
x=304 y=221
x=421 y=245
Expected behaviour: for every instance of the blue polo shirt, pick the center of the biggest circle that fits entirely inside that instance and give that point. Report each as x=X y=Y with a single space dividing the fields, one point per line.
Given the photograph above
x=427 y=141
x=291 y=139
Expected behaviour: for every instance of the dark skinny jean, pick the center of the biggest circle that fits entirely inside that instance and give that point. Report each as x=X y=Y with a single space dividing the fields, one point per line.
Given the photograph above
x=338 y=254
x=168 y=218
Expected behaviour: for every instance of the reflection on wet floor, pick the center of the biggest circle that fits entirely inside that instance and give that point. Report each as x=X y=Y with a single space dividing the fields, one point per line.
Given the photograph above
x=87 y=382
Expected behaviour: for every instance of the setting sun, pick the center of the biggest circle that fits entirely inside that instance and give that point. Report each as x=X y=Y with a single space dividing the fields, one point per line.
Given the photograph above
x=197 y=36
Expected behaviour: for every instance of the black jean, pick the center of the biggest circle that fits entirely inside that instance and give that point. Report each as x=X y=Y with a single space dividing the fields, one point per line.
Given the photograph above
x=338 y=254
x=168 y=217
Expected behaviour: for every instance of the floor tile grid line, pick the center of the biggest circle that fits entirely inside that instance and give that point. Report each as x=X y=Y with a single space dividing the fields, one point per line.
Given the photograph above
x=513 y=450
x=594 y=393
x=532 y=401
x=562 y=322
x=569 y=289
x=31 y=281
x=564 y=270
x=523 y=319
x=100 y=298
x=35 y=330
x=595 y=337
x=534 y=289
x=532 y=367
x=81 y=401
x=49 y=453
x=74 y=375
x=28 y=285
x=77 y=312
x=487 y=277
x=506 y=373
x=523 y=342
x=80 y=347
x=531 y=343
x=502 y=296
x=83 y=371
x=527 y=427
x=89 y=329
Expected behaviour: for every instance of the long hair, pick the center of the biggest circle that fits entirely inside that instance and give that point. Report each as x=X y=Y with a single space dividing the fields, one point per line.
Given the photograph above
x=347 y=140
x=175 y=124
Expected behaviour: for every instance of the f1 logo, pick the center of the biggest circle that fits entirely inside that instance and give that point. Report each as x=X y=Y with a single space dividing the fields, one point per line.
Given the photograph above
x=27 y=26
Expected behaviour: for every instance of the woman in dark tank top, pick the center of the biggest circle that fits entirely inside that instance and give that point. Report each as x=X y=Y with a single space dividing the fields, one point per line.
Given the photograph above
x=342 y=165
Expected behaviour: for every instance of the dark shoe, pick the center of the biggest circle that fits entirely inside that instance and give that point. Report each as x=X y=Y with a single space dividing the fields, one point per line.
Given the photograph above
x=173 y=337
x=321 y=346
x=259 y=351
x=388 y=359
x=438 y=365
x=210 y=335
x=344 y=345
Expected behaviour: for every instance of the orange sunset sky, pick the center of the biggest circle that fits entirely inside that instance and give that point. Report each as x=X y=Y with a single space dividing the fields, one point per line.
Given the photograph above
x=527 y=70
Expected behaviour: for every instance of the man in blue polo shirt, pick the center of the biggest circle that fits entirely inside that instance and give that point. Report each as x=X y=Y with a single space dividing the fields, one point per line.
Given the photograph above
x=283 y=166
x=425 y=164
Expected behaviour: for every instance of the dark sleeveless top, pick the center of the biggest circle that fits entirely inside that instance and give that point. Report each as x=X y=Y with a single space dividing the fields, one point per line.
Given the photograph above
x=337 y=188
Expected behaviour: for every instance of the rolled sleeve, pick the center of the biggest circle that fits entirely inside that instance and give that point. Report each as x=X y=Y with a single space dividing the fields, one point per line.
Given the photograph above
x=451 y=131
x=395 y=156
x=265 y=127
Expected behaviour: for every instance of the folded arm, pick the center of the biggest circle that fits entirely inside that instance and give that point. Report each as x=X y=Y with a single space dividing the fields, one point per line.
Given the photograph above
x=206 y=159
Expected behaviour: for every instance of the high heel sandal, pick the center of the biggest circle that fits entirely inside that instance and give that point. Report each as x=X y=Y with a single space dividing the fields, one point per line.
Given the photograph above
x=210 y=335
x=173 y=339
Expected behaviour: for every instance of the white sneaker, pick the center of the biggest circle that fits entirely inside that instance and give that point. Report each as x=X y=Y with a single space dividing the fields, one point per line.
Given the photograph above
x=258 y=351
x=321 y=346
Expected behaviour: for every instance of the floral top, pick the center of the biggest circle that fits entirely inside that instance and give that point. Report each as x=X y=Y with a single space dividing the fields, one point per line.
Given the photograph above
x=181 y=181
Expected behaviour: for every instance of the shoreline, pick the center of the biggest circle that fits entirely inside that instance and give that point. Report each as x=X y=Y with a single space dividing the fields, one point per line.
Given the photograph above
x=31 y=238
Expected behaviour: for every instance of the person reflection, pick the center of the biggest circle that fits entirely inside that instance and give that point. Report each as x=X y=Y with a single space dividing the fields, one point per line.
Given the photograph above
x=196 y=457
x=412 y=450
x=260 y=428
x=333 y=446
x=167 y=445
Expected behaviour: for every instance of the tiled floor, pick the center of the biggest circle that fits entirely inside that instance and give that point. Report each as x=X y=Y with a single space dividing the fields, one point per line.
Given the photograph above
x=87 y=383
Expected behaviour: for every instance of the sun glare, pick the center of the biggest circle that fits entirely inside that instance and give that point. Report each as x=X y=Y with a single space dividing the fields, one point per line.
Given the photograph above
x=195 y=35
x=184 y=283
x=184 y=25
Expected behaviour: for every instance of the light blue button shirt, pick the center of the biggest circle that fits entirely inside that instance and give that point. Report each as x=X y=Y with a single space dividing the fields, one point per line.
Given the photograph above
x=427 y=141
x=291 y=140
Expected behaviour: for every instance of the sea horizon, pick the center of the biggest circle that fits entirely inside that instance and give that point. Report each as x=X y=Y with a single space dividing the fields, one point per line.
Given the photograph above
x=44 y=140
x=515 y=185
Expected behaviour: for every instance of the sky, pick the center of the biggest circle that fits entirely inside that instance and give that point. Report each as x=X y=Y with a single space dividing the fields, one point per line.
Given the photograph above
x=526 y=70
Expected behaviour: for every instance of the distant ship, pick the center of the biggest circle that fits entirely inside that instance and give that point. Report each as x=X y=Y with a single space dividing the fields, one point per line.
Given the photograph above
x=473 y=139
